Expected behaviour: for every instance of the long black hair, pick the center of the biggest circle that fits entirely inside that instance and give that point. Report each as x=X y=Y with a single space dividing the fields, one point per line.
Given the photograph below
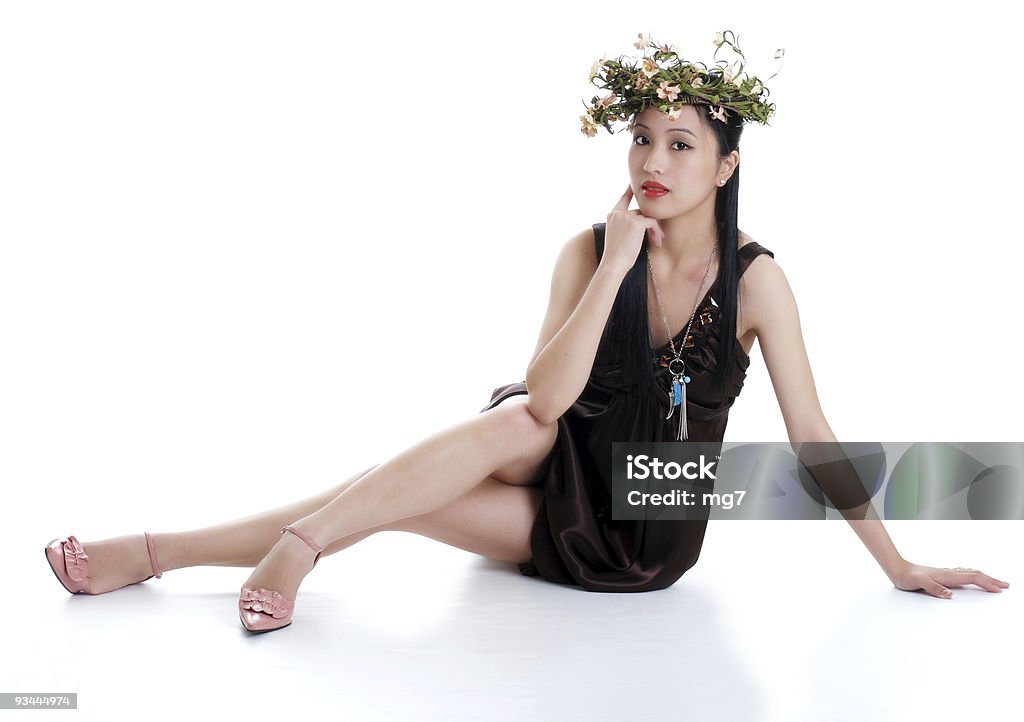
x=628 y=329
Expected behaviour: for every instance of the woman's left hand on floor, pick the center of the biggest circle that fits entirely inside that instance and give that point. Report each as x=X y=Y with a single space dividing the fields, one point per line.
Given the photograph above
x=937 y=580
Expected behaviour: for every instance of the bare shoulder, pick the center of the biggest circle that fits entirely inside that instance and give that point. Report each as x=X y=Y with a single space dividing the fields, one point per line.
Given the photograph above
x=576 y=264
x=762 y=259
x=764 y=287
x=574 y=268
x=582 y=249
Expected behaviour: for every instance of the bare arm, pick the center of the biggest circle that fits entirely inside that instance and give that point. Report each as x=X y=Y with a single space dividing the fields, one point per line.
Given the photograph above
x=777 y=325
x=559 y=371
x=582 y=295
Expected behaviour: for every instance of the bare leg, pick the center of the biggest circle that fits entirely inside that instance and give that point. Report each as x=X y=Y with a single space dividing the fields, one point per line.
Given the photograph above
x=422 y=479
x=116 y=562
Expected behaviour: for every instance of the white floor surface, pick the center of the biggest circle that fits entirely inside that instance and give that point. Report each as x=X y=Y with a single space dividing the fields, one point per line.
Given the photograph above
x=777 y=621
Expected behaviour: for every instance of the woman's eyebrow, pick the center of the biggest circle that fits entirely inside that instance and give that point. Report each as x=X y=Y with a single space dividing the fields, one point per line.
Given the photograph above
x=685 y=130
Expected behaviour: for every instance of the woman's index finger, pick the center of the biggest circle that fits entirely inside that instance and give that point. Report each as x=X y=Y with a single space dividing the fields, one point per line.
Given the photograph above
x=623 y=203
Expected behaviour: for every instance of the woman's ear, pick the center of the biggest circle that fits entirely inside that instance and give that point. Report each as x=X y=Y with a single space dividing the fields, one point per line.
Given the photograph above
x=728 y=165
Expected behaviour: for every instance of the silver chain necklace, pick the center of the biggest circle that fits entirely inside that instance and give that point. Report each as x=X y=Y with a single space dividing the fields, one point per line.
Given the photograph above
x=676 y=367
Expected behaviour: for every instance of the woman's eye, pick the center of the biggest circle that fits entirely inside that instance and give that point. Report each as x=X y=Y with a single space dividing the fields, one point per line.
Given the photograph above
x=638 y=138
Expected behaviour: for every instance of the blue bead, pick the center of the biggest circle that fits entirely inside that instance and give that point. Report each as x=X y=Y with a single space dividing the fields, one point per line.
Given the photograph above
x=686 y=379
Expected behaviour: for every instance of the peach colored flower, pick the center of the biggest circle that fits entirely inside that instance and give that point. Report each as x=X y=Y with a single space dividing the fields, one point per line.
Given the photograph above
x=588 y=128
x=641 y=82
x=650 y=68
x=608 y=100
x=642 y=41
x=668 y=91
x=674 y=112
x=718 y=113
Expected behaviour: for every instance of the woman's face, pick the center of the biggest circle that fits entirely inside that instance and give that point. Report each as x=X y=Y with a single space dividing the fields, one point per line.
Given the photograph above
x=681 y=155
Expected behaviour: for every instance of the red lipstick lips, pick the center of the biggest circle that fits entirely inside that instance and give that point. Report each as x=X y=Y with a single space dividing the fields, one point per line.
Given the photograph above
x=653 y=190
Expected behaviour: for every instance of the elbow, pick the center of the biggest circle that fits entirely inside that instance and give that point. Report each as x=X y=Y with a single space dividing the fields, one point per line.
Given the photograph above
x=544 y=416
x=541 y=411
x=546 y=404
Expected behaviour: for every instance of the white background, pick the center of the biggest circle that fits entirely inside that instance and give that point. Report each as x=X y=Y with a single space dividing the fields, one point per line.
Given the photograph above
x=248 y=249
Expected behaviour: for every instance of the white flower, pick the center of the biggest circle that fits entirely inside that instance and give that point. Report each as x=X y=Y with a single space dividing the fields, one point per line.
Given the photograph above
x=756 y=90
x=718 y=113
x=731 y=74
x=719 y=40
x=595 y=68
x=642 y=41
x=674 y=111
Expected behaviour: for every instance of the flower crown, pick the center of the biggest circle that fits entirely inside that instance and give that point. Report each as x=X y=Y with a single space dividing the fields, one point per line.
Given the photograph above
x=664 y=80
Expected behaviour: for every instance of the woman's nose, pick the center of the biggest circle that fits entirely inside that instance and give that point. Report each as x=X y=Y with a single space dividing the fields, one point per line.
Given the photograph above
x=654 y=162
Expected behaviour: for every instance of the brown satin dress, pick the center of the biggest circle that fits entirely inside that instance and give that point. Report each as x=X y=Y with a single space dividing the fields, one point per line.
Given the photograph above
x=574 y=540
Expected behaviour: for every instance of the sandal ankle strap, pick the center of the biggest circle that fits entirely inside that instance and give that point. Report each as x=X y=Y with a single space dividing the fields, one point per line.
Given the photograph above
x=305 y=537
x=152 y=555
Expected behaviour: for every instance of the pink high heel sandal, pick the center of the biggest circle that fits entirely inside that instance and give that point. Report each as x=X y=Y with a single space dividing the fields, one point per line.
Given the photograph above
x=265 y=610
x=70 y=564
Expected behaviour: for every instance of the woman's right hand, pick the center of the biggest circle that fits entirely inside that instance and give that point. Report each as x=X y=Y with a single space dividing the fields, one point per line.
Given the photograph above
x=624 y=234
